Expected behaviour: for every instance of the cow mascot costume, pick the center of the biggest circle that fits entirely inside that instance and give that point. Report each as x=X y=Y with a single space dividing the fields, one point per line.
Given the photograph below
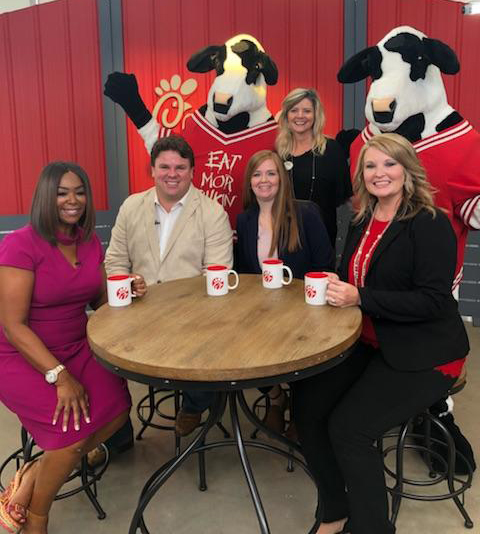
x=407 y=97
x=233 y=124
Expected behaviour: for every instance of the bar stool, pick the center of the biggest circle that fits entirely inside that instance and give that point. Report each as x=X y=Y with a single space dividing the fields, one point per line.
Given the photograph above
x=88 y=478
x=148 y=407
x=423 y=443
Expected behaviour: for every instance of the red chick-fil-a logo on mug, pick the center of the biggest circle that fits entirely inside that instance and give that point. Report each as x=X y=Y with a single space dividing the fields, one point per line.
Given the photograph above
x=310 y=291
x=122 y=293
x=217 y=283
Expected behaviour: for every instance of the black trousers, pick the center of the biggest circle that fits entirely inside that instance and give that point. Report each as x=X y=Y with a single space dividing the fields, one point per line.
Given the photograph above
x=340 y=414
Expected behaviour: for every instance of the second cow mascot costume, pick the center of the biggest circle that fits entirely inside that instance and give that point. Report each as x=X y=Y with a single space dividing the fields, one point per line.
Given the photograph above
x=407 y=96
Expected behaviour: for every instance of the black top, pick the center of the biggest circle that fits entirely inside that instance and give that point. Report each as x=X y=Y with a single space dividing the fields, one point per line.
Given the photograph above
x=408 y=292
x=331 y=186
x=315 y=255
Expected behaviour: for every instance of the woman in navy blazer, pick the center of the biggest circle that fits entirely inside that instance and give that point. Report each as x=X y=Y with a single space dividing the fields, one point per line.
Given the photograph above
x=301 y=239
x=274 y=225
x=315 y=255
x=398 y=266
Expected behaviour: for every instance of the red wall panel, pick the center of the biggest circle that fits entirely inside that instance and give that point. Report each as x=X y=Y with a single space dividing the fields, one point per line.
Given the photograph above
x=50 y=97
x=440 y=19
x=303 y=37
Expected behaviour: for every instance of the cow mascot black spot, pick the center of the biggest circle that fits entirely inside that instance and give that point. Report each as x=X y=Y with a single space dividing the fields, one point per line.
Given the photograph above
x=233 y=124
x=407 y=96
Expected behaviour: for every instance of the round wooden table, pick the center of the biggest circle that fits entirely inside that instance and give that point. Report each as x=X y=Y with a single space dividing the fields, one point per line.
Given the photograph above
x=179 y=337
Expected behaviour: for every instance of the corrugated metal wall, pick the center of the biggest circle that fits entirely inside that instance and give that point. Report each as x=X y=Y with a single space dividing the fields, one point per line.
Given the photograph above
x=50 y=98
x=303 y=37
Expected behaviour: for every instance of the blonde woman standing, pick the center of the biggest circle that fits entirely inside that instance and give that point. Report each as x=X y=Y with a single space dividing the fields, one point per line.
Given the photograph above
x=316 y=164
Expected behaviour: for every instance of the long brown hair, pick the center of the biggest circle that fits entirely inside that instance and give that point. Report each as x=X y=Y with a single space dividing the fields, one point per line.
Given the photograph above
x=286 y=234
x=44 y=212
x=285 y=141
x=417 y=191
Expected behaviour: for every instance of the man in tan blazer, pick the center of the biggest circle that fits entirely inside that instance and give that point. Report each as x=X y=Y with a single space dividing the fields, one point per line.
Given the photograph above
x=168 y=232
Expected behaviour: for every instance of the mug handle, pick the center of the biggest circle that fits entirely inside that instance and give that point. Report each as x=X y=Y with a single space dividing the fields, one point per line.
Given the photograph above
x=132 y=278
x=290 y=276
x=235 y=285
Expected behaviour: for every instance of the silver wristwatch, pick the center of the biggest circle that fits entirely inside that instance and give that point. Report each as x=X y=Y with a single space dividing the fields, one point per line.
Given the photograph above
x=51 y=376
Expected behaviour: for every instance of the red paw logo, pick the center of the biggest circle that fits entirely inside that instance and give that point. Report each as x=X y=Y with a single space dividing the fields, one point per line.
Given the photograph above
x=122 y=293
x=267 y=276
x=310 y=291
x=217 y=283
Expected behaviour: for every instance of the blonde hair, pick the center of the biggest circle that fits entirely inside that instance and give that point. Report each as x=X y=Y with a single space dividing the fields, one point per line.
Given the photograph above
x=417 y=191
x=286 y=234
x=285 y=140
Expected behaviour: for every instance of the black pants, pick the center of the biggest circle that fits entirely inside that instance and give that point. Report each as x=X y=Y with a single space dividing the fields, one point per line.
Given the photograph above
x=339 y=415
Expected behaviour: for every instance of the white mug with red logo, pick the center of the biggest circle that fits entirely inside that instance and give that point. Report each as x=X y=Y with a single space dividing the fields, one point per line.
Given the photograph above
x=217 y=280
x=272 y=274
x=316 y=288
x=119 y=289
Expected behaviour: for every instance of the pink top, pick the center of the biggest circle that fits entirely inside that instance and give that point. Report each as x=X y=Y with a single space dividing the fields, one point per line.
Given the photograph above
x=57 y=315
x=263 y=245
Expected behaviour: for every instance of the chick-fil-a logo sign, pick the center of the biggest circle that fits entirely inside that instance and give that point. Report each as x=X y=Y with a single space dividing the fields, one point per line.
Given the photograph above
x=172 y=107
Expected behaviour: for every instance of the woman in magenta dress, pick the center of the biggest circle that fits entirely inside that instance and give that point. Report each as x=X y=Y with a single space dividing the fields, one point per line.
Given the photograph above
x=49 y=271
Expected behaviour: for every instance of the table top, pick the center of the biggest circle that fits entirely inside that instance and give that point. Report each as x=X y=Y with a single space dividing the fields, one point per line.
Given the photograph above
x=178 y=332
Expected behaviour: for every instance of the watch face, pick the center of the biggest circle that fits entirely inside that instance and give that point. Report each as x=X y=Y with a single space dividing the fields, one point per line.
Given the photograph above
x=51 y=377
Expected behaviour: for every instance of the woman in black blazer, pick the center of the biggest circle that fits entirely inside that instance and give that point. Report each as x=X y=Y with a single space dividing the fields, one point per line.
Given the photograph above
x=274 y=225
x=398 y=266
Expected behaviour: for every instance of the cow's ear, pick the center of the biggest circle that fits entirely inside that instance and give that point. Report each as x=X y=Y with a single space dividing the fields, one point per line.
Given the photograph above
x=268 y=68
x=441 y=55
x=207 y=59
x=363 y=64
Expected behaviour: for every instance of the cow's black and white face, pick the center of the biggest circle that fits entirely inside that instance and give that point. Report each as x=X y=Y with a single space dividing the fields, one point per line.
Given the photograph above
x=407 y=85
x=230 y=92
x=243 y=72
x=406 y=80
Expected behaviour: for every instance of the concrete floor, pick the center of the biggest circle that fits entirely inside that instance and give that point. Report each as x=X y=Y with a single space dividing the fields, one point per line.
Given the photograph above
x=289 y=498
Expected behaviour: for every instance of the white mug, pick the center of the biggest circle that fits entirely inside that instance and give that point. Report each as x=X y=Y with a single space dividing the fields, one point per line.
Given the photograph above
x=316 y=288
x=217 y=280
x=119 y=289
x=272 y=274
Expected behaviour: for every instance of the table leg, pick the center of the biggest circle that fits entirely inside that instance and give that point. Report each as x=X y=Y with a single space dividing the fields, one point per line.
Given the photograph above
x=162 y=474
x=262 y=519
x=258 y=424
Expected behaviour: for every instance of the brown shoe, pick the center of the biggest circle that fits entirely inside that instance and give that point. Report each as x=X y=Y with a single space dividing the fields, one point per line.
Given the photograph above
x=186 y=423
